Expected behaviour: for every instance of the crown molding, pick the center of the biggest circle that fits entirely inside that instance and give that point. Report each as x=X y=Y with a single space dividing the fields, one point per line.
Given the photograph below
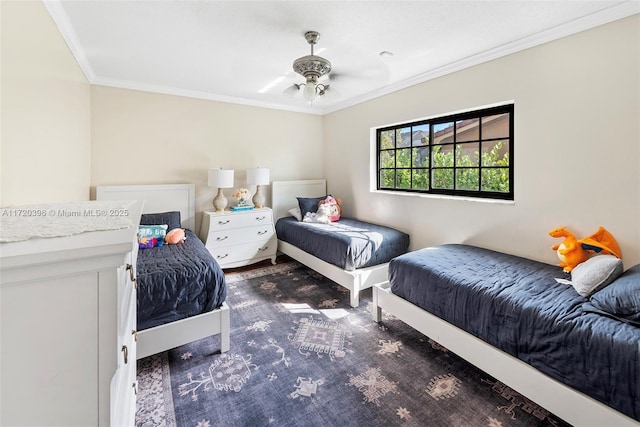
x=170 y=90
x=60 y=18
x=596 y=19
x=602 y=17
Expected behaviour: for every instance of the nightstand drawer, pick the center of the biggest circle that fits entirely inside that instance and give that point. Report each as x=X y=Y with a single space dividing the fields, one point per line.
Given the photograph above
x=217 y=239
x=240 y=220
x=228 y=255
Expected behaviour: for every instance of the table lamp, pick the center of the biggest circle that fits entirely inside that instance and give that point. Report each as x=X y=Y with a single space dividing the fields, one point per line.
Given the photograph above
x=258 y=177
x=221 y=178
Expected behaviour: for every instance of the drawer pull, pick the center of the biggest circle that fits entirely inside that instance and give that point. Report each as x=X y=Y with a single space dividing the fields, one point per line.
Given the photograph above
x=223 y=222
x=135 y=335
x=132 y=276
x=125 y=352
x=222 y=256
x=261 y=218
x=264 y=248
x=135 y=388
x=220 y=239
x=260 y=233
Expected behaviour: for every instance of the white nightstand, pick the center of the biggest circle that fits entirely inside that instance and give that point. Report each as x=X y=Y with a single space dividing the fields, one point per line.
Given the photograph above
x=239 y=238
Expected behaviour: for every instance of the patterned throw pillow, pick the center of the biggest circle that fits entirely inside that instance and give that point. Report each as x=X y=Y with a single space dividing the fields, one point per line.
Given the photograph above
x=150 y=236
x=147 y=242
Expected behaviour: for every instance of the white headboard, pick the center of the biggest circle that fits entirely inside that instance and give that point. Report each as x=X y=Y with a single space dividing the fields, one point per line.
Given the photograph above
x=157 y=198
x=284 y=193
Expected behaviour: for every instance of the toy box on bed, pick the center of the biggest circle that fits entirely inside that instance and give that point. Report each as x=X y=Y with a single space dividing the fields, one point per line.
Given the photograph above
x=180 y=287
x=509 y=316
x=352 y=253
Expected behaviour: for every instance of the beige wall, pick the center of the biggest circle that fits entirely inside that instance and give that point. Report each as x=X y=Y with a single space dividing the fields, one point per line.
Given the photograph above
x=577 y=138
x=46 y=117
x=146 y=138
x=577 y=147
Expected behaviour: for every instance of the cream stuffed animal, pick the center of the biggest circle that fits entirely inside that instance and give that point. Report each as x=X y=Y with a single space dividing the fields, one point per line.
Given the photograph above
x=321 y=216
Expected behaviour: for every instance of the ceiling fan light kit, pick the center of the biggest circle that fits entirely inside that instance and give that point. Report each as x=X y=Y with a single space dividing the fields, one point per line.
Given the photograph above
x=311 y=67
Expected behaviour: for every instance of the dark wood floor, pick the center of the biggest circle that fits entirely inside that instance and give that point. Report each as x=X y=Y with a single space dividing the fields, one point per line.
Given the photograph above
x=265 y=263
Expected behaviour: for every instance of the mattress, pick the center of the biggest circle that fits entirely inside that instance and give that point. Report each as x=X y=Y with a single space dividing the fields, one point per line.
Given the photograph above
x=176 y=282
x=348 y=243
x=516 y=305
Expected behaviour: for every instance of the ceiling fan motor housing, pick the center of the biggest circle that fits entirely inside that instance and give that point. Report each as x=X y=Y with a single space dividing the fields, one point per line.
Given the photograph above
x=311 y=66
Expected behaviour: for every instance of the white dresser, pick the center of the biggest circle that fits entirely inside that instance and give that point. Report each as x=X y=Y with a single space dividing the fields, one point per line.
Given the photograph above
x=239 y=238
x=68 y=316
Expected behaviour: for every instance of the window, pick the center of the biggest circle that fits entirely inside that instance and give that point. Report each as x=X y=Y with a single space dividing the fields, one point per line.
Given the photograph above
x=467 y=154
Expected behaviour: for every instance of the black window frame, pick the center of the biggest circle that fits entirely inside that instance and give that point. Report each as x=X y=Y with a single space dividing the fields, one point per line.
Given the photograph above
x=453 y=118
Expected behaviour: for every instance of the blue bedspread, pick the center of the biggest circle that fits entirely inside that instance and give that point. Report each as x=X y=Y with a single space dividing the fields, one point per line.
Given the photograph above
x=348 y=243
x=176 y=282
x=516 y=305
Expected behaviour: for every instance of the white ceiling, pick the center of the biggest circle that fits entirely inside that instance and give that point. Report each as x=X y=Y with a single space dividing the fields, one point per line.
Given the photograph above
x=242 y=51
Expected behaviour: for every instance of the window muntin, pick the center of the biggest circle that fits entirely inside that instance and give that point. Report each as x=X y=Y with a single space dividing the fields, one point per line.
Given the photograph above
x=466 y=154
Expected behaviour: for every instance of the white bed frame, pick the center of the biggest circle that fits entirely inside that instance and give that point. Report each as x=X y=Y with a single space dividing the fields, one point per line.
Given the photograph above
x=284 y=195
x=164 y=198
x=574 y=407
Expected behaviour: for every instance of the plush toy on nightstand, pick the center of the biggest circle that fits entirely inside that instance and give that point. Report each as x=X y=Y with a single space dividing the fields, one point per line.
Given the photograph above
x=570 y=252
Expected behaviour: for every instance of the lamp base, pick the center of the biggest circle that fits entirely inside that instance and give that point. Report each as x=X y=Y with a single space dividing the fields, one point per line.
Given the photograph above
x=258 y=198
x=219 y=202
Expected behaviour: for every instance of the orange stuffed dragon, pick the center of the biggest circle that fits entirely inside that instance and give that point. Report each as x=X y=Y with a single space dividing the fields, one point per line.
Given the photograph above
x=570 y=251
x=601 y=242
x=574 y=251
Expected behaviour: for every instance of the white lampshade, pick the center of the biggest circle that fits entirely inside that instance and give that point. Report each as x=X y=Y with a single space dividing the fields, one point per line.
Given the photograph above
x=221 y=178
x=292 y=91
x=309 y=92
x=258 y=176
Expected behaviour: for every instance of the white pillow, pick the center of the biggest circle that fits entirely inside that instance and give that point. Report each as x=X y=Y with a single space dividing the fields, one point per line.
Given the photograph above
x=595 y=273
x=295 y=212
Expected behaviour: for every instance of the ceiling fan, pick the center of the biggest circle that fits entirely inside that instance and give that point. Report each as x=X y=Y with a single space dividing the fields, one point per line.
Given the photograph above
x=311 y=67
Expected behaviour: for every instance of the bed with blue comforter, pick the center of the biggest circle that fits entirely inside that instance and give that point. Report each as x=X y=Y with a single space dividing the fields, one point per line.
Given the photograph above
x=176 y=282
x=348 y=243
x=516 y=305
x=352 y=253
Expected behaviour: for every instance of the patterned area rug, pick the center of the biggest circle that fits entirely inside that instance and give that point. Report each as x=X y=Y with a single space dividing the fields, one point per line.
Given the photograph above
x=301 y=356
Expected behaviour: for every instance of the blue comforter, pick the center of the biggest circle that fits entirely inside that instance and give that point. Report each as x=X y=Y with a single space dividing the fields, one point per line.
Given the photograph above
x=176 y=282
x=347 y=243
x=516 y=305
